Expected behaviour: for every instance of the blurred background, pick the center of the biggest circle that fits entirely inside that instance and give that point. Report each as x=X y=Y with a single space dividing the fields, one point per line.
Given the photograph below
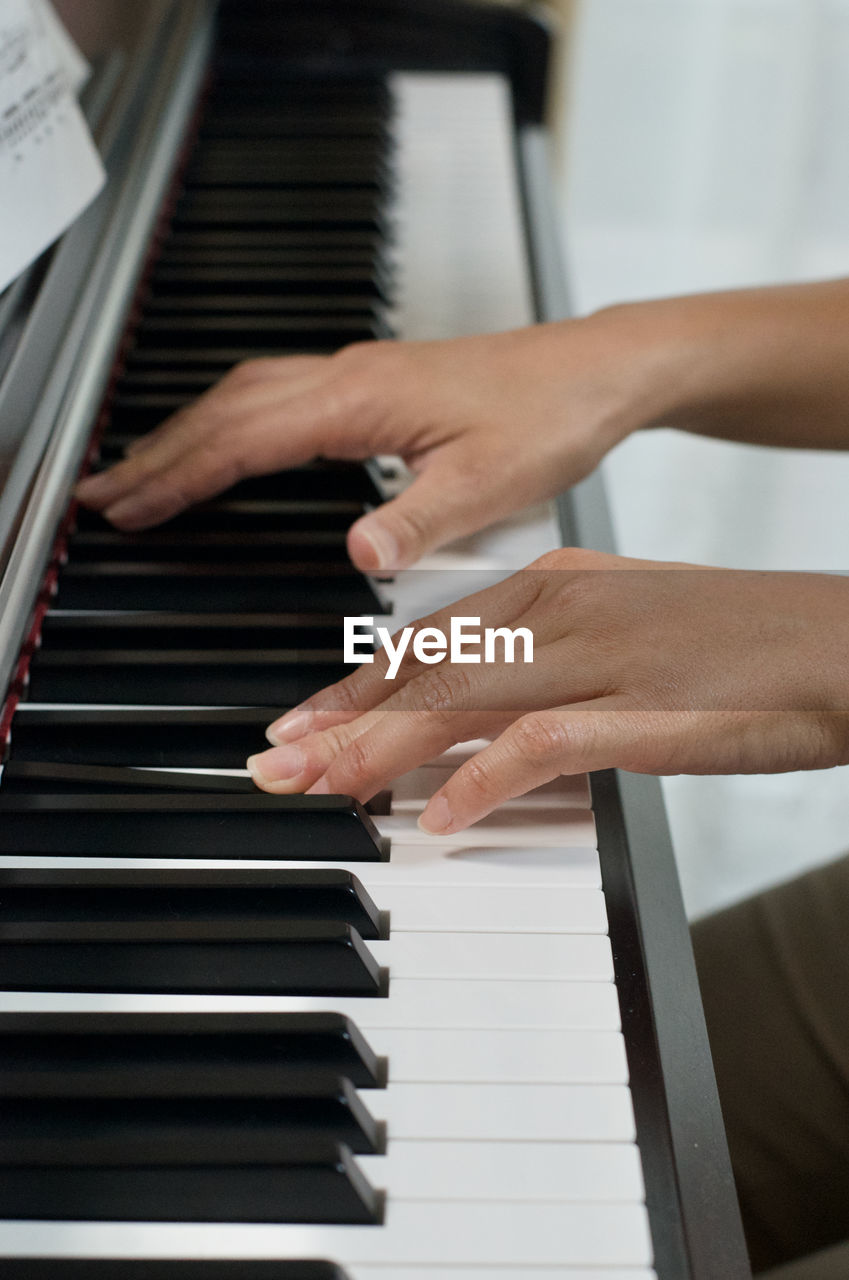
x=704 y=144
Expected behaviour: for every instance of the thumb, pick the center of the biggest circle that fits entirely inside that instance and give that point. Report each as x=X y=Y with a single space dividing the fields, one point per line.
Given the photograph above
x=441 y=504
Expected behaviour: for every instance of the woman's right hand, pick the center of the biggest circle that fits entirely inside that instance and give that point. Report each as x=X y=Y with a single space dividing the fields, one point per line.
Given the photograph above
x=488 y=425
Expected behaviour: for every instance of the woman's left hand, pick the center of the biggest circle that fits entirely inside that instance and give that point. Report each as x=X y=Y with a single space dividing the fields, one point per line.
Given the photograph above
x=646 y=666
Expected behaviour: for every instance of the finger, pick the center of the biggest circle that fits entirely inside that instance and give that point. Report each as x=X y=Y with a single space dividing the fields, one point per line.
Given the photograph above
x=200 y=458
x=532 y=751
x=360 y=758
x=460 y=488
x=503 y=604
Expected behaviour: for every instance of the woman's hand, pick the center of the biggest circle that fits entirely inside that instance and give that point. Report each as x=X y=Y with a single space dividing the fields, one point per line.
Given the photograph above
x=656 y=668
x=488 y=424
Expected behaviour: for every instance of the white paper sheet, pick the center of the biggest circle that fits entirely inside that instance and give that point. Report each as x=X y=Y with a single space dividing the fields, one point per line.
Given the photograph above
x=49 y=166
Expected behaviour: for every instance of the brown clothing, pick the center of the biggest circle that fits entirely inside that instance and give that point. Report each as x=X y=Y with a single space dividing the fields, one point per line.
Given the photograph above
x=774 y=972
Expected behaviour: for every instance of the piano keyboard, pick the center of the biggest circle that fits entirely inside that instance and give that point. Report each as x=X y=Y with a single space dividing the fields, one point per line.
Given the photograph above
x=293 y=1038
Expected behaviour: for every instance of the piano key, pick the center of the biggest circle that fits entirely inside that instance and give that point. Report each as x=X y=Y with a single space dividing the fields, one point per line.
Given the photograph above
x=223 y=1054
x=265 y=333
x=217 y=588
x=181 y=543
x=279 y=677
x=88 y=1268
x=482 y=1273
x=189 y=737
x=487 y=909
x=455 y=1056
x=213 y=241
x=186 y=310
x=513 y=827
x=333 y=482
x=419 y=1234
x=411 y=792
x=151 y=630
x=236 y=956
x=471 y=1005
x=432 y=864
x=495 y=957
x=179 y=1126
x=307 y=1186
x=315 y=828
x=338 y=281
x=37 y=777
x=508 y=1171
x=306 y=894
x=252 y=516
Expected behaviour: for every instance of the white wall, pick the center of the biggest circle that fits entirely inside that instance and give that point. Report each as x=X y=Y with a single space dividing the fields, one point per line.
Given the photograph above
x=707 y=146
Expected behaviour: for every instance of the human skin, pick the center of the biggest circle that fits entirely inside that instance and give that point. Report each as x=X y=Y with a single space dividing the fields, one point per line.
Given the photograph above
x=664 y=672
x=646 y=666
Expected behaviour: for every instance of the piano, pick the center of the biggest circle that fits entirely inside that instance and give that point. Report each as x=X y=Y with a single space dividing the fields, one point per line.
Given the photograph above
x=249 y=1037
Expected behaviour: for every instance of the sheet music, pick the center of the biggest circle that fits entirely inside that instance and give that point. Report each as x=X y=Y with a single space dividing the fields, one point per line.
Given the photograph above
x=49 y=166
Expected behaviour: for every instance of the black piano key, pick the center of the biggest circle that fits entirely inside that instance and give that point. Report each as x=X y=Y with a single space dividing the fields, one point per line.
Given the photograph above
x=167 y=1120
x=164 y=1269
x=251 y=516
x=217 y=588
x=278 y=304
x=196 y=957
x=199 y=677
x=221 y=175
x=285 y=828
x=273 y=126
x=213 y=240
x=316 y=1184
x=221 y=1053
x=301 y=258
x=265 y=334
x=151 y=630
x=190 y=739
x=221 y=359
x=33 y=777
x=167 y=543
x=284 y=895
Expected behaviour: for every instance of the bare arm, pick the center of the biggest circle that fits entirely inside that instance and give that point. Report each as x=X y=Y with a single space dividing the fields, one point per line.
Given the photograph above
x=491 y=424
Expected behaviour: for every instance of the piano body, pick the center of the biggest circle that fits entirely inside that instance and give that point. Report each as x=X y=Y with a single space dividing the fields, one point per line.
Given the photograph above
x=284 y=1039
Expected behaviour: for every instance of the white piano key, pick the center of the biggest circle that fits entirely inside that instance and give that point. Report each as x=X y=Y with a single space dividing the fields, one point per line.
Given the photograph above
x=507 y=827
x=501 y=1057
x=500 y=909
x=498 y=1273
x=521 y=956
x=421 y=863
x=415 y=1233
x=577 y=1171
x=411 y=792
x=420 y=1004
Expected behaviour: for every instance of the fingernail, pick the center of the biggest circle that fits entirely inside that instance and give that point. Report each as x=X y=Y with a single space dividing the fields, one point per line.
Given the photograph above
x=383 y=545
x=278 y=765
x=293 y=725
x=437 y=818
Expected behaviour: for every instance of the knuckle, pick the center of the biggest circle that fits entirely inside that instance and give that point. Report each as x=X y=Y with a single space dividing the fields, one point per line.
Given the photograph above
x=478 y=777
x=539 y=738
x=339 y=699
x=441 y=694
x=353 y=759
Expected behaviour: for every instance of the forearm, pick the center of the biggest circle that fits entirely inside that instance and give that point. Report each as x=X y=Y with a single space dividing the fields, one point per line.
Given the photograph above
x=761 y=366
